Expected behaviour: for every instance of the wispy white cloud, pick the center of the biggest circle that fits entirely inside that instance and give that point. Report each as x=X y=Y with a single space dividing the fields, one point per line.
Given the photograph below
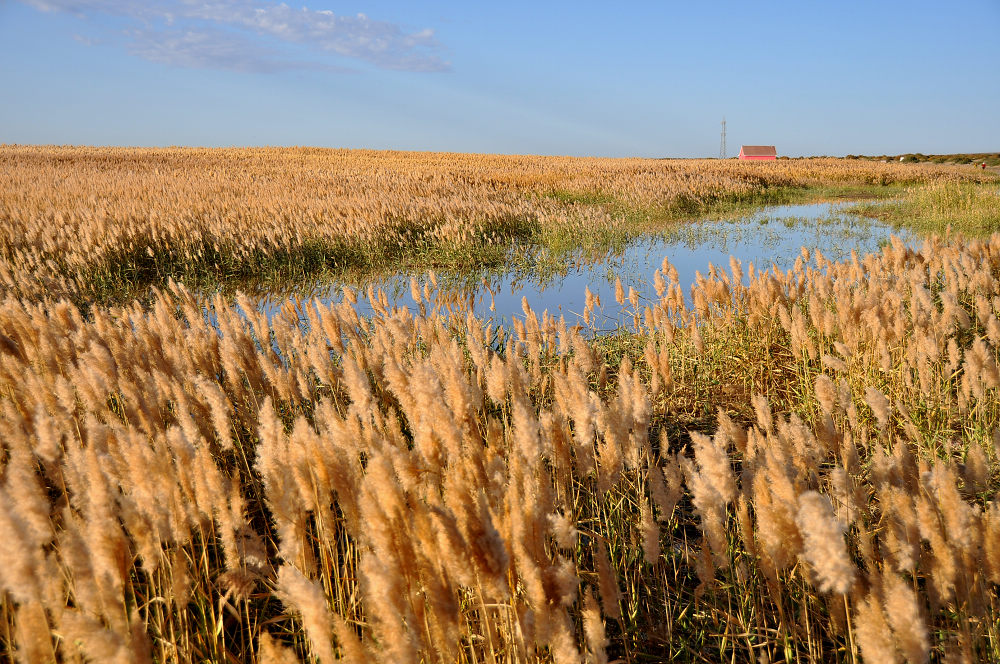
x=234 y=34
x=214 y=49
x=87 y=41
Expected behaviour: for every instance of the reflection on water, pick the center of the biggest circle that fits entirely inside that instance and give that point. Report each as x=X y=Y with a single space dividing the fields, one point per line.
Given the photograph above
x=772 y=237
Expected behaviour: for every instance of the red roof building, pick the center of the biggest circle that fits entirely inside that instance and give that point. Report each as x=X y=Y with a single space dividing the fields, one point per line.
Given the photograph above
x=758 y=152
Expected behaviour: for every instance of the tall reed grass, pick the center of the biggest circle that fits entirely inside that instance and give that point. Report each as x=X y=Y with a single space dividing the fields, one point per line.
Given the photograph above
x=796 y=466
x=102 y=224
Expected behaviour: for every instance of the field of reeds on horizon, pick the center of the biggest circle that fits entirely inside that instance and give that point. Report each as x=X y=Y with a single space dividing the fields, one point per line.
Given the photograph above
x=770 y=466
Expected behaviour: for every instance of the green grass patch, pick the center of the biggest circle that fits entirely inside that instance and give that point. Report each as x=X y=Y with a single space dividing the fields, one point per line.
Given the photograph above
x=968 y=208
x=568 y=197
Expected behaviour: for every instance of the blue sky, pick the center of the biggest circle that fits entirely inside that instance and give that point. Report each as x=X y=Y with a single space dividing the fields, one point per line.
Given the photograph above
x=580 y=78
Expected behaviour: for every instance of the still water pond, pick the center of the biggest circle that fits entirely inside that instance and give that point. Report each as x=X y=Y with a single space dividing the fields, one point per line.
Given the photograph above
x=771 y=236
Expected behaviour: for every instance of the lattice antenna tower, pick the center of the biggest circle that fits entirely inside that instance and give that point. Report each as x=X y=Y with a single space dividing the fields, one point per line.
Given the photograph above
x=722 y=145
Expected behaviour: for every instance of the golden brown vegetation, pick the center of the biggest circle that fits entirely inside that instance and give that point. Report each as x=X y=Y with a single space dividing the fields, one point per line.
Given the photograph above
x=798 y=466
x=93 y=223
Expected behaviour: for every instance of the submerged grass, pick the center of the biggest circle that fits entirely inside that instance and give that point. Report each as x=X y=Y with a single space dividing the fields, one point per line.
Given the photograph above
x=523 y=246
x=548 y=251
x=529 y=248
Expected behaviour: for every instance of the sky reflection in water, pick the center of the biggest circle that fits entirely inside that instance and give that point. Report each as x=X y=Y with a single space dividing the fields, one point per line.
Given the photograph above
x=772 y=236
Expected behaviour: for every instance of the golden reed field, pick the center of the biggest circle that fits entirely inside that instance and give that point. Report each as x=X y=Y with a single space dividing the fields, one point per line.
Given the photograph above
x=774 y=466
x=85 y=221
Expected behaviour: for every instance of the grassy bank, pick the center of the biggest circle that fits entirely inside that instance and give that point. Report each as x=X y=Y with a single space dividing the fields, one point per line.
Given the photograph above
x=967 y=208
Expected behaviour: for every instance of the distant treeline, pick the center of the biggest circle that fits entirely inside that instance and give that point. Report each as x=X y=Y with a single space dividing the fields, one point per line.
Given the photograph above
x=989 y=158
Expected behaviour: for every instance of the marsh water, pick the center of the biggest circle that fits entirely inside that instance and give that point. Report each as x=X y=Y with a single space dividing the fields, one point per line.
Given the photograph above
x=772 y=236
